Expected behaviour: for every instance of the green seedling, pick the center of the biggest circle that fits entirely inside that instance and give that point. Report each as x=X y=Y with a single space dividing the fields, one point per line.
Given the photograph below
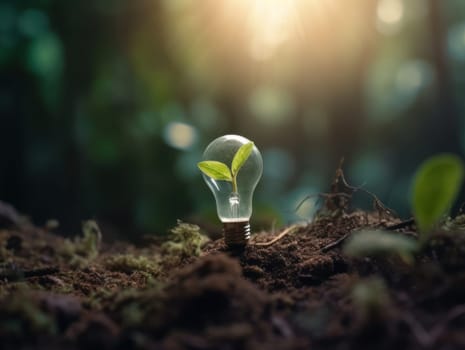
x=220 y=171
x=435 y=189
x=371 y=298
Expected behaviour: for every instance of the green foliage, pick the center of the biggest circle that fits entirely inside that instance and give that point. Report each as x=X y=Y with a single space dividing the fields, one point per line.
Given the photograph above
x=216 y=170
x=435 y=188
x=220 y=171
x=82 y=250
x=367 y=243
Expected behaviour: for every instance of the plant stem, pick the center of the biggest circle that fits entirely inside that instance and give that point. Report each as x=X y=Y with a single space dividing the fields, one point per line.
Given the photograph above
x=234 y=184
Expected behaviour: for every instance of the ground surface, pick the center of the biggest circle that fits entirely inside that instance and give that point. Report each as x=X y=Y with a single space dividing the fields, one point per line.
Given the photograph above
x=300 y=292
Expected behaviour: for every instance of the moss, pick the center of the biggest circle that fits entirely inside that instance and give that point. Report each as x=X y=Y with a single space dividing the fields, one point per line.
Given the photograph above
x=129 y=263
x=97 y=299
x=22 y=314
x=133 y=314
x=82 y=250
x=135 y=307
x=186 y=240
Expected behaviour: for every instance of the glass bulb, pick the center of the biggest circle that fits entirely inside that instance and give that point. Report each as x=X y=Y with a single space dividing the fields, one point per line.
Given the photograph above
x=234 y=198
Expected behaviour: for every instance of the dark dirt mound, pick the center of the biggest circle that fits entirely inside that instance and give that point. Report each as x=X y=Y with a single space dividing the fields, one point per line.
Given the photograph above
x=300 y=292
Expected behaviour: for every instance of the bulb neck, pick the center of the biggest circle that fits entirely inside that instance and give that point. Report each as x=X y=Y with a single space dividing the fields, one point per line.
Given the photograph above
x=236 y=234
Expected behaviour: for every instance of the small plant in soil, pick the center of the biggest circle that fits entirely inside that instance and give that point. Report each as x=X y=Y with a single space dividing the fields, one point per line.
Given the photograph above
x=435 y=188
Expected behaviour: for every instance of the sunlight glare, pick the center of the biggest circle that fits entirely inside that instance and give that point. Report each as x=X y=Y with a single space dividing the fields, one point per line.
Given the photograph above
x=389 y=16
x=270 y=22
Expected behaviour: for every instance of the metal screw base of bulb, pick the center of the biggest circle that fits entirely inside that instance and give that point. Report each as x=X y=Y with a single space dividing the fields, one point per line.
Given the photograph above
x=236 y=234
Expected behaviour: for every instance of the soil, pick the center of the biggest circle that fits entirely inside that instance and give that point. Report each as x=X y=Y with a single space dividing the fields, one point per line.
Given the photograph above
x=301 y=292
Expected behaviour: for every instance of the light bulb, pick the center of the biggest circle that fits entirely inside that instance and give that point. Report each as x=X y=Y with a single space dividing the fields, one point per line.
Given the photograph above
x=232 y=166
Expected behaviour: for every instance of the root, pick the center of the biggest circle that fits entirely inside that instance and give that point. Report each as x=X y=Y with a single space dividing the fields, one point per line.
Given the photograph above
x=338 y=200
x=278 y=237
x=334 y=244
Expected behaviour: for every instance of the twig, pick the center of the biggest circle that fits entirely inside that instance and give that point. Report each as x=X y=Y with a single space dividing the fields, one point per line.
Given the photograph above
x=340 y=184
x=40 y=272
x=340 y=240
x=409 y=233
x=322 y=195
x=334 y=244
x=15 y=275
x=278 y=237
x=429 y=338
x=377 y=203
x=423 y=337
x=439 y=329
x=403 y=224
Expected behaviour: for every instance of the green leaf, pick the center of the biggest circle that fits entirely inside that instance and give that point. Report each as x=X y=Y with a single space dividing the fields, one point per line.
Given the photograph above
x=435 y=188
x=216 y=170
x=241 y=156
x=372 y=242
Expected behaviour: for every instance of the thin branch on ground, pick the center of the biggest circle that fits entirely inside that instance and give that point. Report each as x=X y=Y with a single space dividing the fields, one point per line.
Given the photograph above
x=403 y=224
x=420 y=333
x=278 y=237
x=334 y=244
x=429 y=338
x=342 y=193
x=322 y=195
x=441 y=327
x=377 y=203
x=17 y=274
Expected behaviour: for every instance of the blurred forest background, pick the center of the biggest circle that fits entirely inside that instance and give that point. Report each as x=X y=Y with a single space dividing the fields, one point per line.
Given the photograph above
x=106 y=105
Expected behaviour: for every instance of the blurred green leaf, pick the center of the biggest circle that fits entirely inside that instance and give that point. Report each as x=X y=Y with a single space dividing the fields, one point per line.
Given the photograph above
x=371 y=296
x=435 y=188
x=371 y=242
x=241 y=156
x=216 y=170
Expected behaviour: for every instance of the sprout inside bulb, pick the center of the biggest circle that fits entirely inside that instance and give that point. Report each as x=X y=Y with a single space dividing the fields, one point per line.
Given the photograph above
x=234 y=204
x=232 y=166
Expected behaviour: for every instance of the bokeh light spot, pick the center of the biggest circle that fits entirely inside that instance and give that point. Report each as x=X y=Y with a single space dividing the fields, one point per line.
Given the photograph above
x=456 y=42
x=389 y=16
x=46 y=55
x=33 y=23
x=180 y=135
x=412 y=76
x=271 y=106
x=394 y=86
